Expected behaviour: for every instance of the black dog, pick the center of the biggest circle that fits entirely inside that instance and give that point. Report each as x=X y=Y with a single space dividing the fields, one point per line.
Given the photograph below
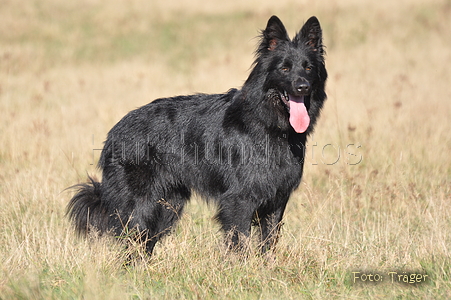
x=244 y=149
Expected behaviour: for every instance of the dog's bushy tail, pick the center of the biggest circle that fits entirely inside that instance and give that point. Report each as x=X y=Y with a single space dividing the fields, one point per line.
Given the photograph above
x=86 y=209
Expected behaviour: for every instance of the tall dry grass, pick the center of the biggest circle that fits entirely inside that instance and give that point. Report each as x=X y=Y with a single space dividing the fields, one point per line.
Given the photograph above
x=70 y=70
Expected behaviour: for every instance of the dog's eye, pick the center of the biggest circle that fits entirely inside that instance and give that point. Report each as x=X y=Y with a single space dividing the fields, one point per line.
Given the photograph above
x=285 y=69
x=308 y=68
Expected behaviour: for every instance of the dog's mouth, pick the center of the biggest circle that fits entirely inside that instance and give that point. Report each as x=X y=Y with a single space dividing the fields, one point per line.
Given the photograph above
x=299 y=118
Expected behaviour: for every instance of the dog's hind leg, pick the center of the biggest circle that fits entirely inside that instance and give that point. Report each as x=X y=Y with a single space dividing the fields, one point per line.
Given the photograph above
x=161 y=215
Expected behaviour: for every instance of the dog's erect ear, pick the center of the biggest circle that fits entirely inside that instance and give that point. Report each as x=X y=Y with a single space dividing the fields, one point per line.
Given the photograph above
x=274 y=33
x=312 y=35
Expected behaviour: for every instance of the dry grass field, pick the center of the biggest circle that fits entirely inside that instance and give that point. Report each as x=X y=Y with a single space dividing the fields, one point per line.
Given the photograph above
x=375 y=197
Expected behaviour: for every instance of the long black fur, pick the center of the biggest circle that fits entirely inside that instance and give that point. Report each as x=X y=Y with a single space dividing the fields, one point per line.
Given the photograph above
x=237 y=149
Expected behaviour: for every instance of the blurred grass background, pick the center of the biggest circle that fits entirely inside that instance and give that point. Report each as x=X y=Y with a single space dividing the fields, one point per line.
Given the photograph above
x=70 y=70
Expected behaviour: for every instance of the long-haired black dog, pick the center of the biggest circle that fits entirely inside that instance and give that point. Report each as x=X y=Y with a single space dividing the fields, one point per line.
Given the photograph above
x=243 y=149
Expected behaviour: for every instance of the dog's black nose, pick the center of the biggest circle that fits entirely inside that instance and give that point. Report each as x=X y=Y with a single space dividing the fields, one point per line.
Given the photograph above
x=302 y=86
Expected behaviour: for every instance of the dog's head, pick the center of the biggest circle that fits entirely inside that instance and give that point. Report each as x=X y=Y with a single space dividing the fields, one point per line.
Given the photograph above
x=295 y=69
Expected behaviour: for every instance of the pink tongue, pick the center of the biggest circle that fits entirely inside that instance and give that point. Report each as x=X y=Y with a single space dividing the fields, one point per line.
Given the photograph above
x=299 y=118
